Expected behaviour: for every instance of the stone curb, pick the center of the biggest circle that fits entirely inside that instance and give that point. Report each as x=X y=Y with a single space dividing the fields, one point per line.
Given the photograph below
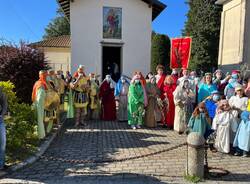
x=40 y=151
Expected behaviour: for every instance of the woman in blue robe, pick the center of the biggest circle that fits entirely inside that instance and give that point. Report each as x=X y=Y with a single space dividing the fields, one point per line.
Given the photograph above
x=242 y=138
x=206 y=88
x=200 y=121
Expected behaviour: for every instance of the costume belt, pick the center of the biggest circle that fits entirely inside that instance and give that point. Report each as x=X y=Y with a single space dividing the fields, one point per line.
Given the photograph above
x=80 y=97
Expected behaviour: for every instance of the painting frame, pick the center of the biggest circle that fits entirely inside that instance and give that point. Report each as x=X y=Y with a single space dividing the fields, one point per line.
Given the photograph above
x=112 y=22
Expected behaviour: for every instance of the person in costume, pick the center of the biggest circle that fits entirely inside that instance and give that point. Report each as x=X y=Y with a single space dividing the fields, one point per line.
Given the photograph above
x=160 y=77
x=230 y=87
x=200 y=121
x=136 y=101
x=223 y=124
x=247 y=89
x=121 y=95
x=175 y=75
x=183 y=98
x=61 y=88
x=107 y=96
x=220 y=82
x=238 y=103
x=94 y=105
x=211 y=103
x=169 y=88
x=185 y=76
x=152 y=113
x=80 y=86
x=242 y=138
x=206 y=88
x=53 y=85
x=38 y=99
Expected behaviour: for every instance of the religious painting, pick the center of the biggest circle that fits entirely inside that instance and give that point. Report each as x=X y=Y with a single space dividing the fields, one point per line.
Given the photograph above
x=112 y=23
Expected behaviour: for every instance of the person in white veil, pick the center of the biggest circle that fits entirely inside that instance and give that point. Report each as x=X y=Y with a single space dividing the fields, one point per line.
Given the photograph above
x=183 y=98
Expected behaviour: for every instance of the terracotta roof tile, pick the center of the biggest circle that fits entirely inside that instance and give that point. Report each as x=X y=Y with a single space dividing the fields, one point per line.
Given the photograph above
x=60 y=41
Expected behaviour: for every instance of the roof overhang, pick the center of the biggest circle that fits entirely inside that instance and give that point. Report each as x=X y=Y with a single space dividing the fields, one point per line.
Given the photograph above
x=157 y=6
x=221 y=2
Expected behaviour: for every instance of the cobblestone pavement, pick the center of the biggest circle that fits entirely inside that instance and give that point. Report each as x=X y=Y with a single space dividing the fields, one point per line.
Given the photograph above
x=154 y=156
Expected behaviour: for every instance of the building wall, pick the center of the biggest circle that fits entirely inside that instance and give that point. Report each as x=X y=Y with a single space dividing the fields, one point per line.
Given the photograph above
x=247 y=35
x=231 y=51
x=58 y=58
x=86 y=34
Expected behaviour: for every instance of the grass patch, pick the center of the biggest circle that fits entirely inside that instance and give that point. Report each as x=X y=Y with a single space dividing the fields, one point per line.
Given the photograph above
x=192 y=179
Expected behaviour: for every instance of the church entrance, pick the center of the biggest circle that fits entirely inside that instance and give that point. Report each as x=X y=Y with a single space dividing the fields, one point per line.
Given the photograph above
x=111 y=62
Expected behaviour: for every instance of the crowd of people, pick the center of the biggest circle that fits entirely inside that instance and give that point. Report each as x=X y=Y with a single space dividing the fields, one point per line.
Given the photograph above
x=215 y=106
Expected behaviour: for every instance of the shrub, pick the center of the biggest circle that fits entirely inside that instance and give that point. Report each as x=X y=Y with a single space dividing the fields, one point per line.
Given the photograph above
x=21 y=65
x=20 y=126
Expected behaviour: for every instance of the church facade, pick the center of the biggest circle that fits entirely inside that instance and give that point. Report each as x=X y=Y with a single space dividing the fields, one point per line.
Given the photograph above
x=234 y=50
x=111 y=35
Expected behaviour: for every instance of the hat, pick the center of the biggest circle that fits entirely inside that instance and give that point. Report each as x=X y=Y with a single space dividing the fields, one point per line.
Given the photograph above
x=206 y=74
x=235 y=72
x=239 y=87
x=215 y=92
x=81 y=66
x=219 y=70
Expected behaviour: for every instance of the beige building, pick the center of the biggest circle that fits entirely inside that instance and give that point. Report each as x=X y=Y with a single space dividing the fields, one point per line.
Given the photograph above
x=57 y=52
x=234 y=49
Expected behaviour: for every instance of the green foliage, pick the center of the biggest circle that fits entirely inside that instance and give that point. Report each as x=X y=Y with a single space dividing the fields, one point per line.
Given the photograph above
x=20 y=126
x=21 y=65
x=192 y=179
x=203 y=25
x=160 y=51
x=58 y=26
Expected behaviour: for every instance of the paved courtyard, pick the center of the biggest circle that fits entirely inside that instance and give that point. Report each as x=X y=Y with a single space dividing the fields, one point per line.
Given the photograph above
x=111 y=152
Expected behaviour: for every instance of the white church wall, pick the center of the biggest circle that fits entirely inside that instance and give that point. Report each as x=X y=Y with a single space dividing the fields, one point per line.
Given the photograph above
x=86 y=34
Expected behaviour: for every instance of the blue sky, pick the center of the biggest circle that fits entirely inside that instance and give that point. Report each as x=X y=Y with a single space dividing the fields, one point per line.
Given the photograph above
x=26 y=19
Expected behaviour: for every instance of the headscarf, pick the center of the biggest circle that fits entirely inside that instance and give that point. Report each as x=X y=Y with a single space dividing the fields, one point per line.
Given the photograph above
x=112 y=83
x=118 y=87
x=40 y=83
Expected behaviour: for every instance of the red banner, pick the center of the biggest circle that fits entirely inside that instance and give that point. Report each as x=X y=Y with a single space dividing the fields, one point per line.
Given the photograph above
x=180 y=52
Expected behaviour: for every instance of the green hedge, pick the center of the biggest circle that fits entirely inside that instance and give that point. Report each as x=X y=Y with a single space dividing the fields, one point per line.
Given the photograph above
x=22 y=139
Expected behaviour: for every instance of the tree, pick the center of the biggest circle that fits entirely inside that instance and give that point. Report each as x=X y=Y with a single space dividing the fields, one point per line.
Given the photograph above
x=160 y=51
x=203 y=25
x=21 y=65
x=58 y=26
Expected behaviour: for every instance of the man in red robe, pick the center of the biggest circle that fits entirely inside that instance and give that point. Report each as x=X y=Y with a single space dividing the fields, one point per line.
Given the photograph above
x=160 y=77
x=175 y=75
x=108 y=99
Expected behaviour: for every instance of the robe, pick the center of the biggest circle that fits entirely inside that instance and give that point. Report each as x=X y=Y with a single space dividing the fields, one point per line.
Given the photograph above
x=170 y=114
x=108 y=107
x=160 y=84
x=211 y=107
x=94 y=106
x=205 y=90
x=136 y=104
x=39 y=106
x=183 y=108
x=122 y=95
x=229 y=90
x=222 y=123
x=240 y=103
x=199 y=124
x=153 y=113
x=242 y=138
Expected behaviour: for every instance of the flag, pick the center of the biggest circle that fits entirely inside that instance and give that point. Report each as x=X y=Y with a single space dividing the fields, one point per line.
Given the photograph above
x=180 y=52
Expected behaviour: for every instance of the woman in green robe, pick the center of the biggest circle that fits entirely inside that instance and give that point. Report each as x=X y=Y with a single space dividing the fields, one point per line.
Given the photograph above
x=136 y=101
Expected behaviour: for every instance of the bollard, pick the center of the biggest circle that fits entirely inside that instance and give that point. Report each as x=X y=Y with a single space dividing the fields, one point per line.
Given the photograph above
x=195 y=155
